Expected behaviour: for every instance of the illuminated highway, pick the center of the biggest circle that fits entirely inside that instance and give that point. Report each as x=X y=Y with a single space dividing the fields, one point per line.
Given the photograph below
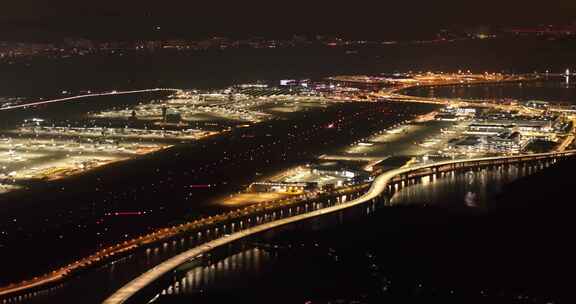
x=45 y=102
x=570 y=138
x=395 y=93
x=376 y=189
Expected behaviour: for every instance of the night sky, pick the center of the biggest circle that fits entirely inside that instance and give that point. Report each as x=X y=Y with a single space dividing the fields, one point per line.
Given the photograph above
x=379 y=19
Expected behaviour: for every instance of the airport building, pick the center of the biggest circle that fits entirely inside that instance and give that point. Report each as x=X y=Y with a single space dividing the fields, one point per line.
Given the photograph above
x=537 y=104
x=457 y=113
x=508 y=142
x=504 y=142
x=282 y=187
x=542 y=129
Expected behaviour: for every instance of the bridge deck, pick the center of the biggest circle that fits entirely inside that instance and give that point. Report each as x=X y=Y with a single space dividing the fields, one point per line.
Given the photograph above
x=377 y=188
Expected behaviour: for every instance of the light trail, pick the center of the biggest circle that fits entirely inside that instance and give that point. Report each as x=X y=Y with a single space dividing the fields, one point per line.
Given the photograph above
x=39 y=103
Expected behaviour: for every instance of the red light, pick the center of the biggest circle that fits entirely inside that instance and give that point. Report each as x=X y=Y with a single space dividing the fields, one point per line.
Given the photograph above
x=200 y=186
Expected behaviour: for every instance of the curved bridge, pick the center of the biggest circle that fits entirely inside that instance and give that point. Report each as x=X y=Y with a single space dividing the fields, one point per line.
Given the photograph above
x=386 y=182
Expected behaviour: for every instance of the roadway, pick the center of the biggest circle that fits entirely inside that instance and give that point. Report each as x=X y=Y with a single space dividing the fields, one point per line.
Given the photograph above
x=378 y=186
x=570 y=138
x=566 y=143
x=39 y=103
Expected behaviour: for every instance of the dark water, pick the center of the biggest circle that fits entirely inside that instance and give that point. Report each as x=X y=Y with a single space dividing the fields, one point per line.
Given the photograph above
x=553 y=89
x=48 y=77
x=451 y=241
x=470 y=190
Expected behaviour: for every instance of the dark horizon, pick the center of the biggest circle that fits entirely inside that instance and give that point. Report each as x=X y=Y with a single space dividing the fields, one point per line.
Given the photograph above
x=40 y=19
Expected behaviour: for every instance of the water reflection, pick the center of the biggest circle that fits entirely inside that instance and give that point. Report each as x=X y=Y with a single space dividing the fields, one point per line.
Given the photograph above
x=470 y=189
x=553 y=89
x=214 y=273
x=471 y=199
x=249 y=267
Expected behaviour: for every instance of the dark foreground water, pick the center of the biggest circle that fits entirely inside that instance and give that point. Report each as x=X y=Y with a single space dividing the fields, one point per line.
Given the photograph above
x=465 y=239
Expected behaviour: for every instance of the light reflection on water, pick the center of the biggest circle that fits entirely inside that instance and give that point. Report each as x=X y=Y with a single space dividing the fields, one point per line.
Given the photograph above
x=240 y=268
x=554 y=89
x=231 y=272
x=468 y=190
